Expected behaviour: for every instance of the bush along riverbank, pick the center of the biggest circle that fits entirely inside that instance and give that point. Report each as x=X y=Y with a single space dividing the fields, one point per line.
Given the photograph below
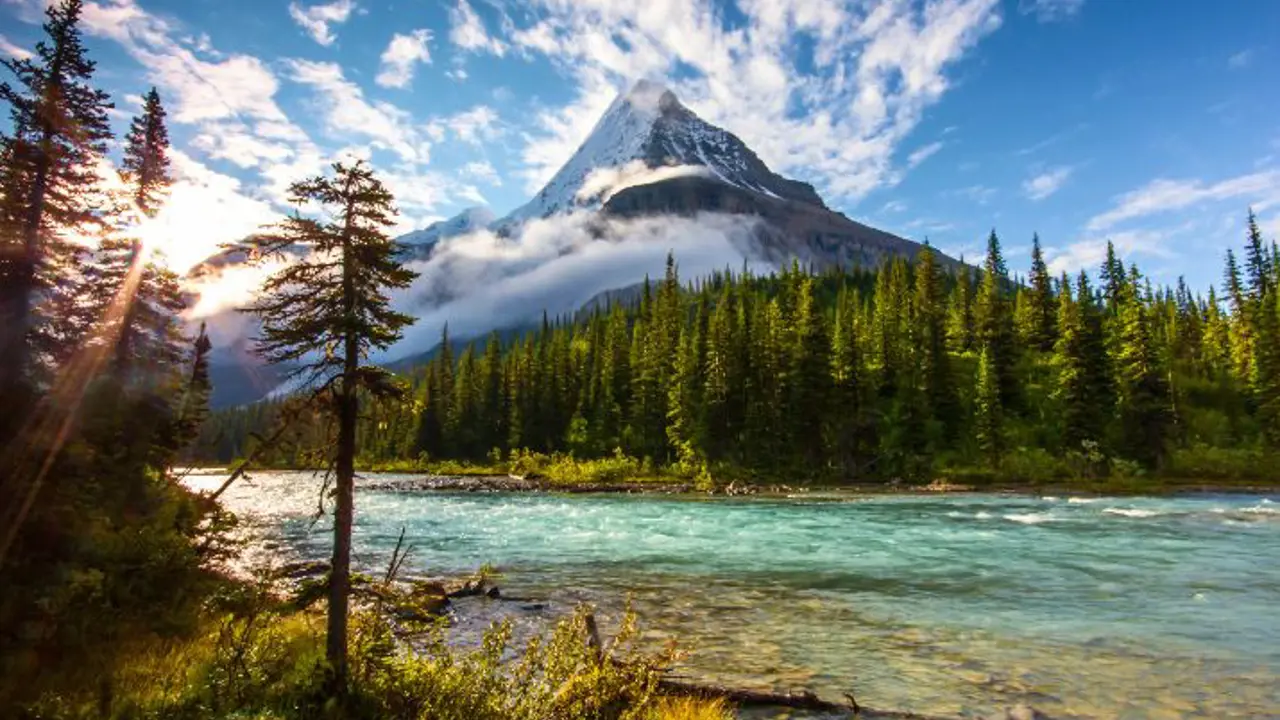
x=256 y=649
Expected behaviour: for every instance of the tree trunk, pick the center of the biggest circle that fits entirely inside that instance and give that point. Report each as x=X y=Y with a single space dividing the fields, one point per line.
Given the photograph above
x=344 y=501
x=344 y=510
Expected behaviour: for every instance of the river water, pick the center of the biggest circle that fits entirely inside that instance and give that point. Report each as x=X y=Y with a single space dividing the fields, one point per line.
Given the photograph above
x=955 y=604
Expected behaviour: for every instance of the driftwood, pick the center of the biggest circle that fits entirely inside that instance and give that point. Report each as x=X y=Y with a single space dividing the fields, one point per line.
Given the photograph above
x=803 y=700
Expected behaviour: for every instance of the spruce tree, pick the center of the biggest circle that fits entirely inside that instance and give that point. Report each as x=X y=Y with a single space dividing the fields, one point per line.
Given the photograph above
x=1264 y=334
x=938 y=385
x=324 y=313
x=1113 y=279
x=135 y=296
x=1144 y=401
x=988 y=422
x=960 y=335
x=1043 y=310
x=47 y=185
x=146 y=164
x=1083 y=389
x=994 y=318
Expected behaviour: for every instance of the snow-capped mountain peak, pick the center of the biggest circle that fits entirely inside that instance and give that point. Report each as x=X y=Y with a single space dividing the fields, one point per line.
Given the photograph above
x=648 y=127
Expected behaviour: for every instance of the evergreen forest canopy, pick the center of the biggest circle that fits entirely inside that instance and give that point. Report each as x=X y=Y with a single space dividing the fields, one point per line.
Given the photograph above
x=901 y=372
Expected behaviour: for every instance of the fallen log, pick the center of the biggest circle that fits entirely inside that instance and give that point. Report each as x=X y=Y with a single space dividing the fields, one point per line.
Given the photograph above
x=803 y=700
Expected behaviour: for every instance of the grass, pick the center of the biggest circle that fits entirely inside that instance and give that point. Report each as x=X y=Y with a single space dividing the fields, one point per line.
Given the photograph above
x=264 y=659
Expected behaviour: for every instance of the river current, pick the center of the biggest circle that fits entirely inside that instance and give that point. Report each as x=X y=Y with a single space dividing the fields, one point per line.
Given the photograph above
x=948 y=604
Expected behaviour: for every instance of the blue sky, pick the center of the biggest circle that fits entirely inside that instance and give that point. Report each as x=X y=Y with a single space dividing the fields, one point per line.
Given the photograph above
x=1151 y=122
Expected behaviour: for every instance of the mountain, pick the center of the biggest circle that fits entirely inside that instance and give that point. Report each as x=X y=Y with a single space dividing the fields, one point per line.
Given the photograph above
x=648 y=127
x=649 y=158
x=650 y=155
x=418 y=244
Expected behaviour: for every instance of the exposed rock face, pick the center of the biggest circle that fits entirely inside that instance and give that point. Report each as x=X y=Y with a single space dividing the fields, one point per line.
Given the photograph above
x=651 y=155
x=789 y=229
x=648 y=125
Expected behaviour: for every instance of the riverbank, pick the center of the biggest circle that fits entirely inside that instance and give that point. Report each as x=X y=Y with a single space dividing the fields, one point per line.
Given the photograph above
x=487 y=479
x=675 y=486
x=943 y=604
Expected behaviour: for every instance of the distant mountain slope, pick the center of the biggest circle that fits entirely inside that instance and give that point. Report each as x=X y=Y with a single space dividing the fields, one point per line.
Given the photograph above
x=648 y=159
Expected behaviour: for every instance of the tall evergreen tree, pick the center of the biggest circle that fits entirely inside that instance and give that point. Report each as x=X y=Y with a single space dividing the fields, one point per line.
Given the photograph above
x=1263 y=319
x=994 y=319
x=136 y=298
x=325 y=312
x=1042 y=329
x=930 y=321
x=1144 y=402
x=988 y=423
x=146 y=164
x=47 y=185
x=1083 y=387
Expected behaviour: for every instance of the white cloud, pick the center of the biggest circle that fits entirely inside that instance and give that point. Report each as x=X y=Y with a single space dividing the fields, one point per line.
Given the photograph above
x=1046 y=183
x=923 y=153
x=834 y=116
x=474 y=126
x=1088 y=254
x=1242 y=59
x=1050 y=10
x=9 y=50
x=318 y=19
x=347 y=113
x=403 y=52
x=482 y=171
x=469 y=32
x=480 y=281
x=603 y=183
x=894 y=206
x=1163 y=196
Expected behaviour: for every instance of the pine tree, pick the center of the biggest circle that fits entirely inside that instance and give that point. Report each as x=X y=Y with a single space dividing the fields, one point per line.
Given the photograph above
x=1083 y=389
x=194 y=404
x=1144 y=401
x=1264 y=334
x=988 y=421
x=1113 y=279
x=325 y=312
x=1042 y=308
x=809 y=376
x=960 y=336
x=930 y=320
x=136 y=298
x=1240 y=326
x=146 y=165
x=47 y=185
x=850 y=429
x=994 y=319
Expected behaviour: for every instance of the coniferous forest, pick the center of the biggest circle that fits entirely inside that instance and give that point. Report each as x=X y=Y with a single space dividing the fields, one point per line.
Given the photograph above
x=116 y=599
x=904 y=371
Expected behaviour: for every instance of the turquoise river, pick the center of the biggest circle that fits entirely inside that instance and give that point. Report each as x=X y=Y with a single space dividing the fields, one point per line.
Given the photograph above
x=1096 y=607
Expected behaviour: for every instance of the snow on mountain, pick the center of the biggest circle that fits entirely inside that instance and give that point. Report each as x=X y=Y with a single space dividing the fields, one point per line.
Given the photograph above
x=468 y=220
x=648 y=128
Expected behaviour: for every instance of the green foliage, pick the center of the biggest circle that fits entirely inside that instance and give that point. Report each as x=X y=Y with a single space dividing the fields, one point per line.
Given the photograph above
x=837 y=375
x=266 y=661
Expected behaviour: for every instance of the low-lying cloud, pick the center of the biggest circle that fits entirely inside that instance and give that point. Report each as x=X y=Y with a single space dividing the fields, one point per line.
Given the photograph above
x=481 y=281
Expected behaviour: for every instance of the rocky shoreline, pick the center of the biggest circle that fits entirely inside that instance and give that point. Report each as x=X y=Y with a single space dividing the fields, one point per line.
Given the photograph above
x=536 y=483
